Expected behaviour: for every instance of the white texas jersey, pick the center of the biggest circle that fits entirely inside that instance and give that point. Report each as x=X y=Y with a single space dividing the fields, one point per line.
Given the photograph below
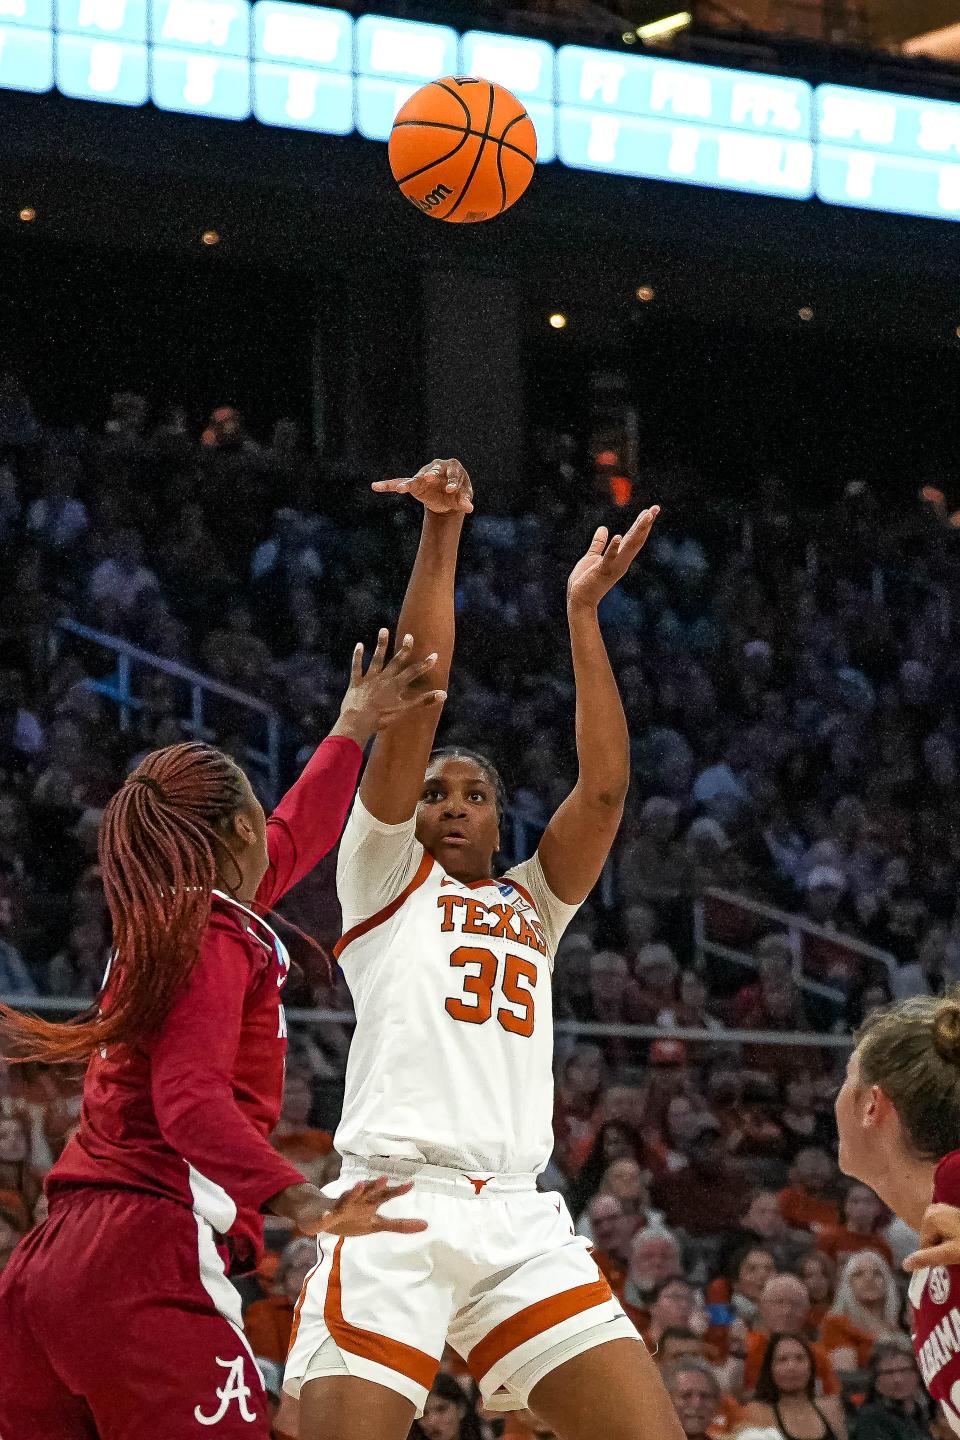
x=452 y=1058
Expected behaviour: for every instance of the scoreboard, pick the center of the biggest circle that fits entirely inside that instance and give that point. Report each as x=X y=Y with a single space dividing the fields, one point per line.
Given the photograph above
x=322 y=70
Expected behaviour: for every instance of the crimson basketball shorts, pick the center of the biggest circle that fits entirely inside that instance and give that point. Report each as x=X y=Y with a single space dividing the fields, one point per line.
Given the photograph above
x=118 y=1322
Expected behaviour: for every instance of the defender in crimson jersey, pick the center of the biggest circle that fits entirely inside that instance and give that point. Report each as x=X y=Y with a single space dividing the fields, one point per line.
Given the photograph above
x=117 y=1318
x=898 y=1115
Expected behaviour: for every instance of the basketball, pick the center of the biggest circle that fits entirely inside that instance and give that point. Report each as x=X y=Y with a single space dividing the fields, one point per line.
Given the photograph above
x=463 y=150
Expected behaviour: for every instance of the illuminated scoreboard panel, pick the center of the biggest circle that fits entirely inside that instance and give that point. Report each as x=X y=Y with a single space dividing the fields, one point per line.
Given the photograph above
x=321 y=70
x=879 y=151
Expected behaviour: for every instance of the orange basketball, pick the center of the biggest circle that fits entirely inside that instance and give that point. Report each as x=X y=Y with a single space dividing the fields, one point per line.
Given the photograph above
x=463 y=150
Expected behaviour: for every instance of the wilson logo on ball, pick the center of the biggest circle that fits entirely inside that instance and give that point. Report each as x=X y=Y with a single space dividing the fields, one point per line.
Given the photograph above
x=436 y=197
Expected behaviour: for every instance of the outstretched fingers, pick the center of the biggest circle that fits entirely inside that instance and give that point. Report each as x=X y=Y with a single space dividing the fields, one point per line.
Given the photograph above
x=380 y=652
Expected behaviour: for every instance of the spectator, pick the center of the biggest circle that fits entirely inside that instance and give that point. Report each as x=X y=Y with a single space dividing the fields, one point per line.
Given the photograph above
x=806 y=1203
x=759 y=1134
x=804 y=1126
x=296 y=1139
x=655 y=866
x=576 y=1106
x=783 y=1310
x=763 y=1224
x=448 y=1414
x=612 y=1230
x=78 y=969
x=749 y=1269
x=896 y=1406
x=268 y=1322
x=677 y=1343
x=819 y=1274
x=866 y=1309
x=862 y=1214
x=58 y=520
x=785 y=1395
x=24 y=1159
x=693 y=1388
x=614 y=1141
x=624 y=1180
x=121 y=577
x=676 y=1303
x=654 y=1257
x=691 y=1010
x=706 y=1195
x=657 y=972
x=15 y=978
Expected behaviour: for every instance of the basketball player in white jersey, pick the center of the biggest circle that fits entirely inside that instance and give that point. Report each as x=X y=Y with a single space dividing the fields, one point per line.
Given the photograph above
x=449 y=1081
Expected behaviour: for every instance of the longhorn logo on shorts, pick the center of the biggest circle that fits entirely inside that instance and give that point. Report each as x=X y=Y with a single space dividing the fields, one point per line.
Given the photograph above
x=233 y=1388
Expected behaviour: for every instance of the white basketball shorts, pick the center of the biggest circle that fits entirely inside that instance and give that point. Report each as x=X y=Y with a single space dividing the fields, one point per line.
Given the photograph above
x=499 y=1273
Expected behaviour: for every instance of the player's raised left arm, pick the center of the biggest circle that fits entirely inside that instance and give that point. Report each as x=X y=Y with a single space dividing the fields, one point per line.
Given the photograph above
x=578 y=839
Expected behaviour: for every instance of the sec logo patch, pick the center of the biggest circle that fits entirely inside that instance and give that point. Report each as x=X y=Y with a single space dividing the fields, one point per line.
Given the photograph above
x=939 y=1285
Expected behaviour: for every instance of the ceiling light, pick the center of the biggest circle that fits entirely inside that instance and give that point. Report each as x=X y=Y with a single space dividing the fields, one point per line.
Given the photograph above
x=28 y=214
x=558 y=321
x=646 y=293
x=210 y=237
x=663 y=29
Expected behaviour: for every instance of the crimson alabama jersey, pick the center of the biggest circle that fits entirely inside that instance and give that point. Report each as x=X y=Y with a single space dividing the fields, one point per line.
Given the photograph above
x=935 y=1301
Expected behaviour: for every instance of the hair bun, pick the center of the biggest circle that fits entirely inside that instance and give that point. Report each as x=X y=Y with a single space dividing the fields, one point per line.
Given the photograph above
x=946 y=1030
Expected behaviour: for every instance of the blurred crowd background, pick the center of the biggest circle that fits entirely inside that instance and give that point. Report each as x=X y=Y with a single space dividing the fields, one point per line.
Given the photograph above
x=787 y=863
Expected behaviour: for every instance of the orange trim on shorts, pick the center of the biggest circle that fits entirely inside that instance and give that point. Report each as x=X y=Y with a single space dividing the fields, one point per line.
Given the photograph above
x=379 y=916
x=532 y=1321
x=393 y=1354
x=299 y=1306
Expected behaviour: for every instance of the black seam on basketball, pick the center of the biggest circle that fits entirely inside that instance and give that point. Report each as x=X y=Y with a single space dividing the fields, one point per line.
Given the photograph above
x=464 y=137
x=503 y=180
x=459 y=99
x=448 y=125
x=504 y=143
x=469 y=180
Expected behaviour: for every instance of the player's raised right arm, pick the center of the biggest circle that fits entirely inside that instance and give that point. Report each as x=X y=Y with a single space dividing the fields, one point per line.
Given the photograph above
x=394 y=775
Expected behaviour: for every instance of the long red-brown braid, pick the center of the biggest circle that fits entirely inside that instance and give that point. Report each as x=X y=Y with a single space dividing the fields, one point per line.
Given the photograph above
x=160 y=851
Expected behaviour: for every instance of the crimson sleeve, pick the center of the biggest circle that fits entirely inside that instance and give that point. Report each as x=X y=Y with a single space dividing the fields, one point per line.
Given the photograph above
x=307 y=823
x=946 y=1181
x=192 y=1062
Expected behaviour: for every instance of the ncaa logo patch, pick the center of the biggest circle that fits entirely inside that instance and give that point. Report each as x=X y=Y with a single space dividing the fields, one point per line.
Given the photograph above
x=939 y=1285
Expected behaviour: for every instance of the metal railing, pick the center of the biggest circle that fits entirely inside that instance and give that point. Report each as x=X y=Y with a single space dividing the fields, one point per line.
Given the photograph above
x=794 y=928
x=119 y=687
x=576 y=1029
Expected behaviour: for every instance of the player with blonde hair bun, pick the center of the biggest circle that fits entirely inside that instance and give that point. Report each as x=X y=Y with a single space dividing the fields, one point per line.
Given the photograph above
x=449 y=1081
x=898 y=1115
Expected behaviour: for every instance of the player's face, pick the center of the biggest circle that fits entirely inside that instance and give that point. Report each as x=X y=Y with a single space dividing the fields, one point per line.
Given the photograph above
x=457 y=818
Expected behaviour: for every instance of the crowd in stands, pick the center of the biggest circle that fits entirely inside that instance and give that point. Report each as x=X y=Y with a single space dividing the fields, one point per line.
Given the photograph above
x=791 y=685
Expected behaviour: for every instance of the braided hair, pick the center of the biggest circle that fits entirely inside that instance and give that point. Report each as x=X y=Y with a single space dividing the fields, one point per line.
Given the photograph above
x=161 y=846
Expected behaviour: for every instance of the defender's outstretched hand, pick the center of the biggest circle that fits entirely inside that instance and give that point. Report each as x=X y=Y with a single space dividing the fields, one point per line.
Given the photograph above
x=358 y=1212
x=606 y=563
x=442 y=486
x=388 y=690
x=355 y=1213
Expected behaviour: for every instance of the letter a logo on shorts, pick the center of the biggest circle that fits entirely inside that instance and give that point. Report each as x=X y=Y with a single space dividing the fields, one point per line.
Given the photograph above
x=233 y=1388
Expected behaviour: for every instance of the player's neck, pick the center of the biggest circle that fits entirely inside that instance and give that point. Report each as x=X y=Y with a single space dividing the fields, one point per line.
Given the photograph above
x=906 y=1188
